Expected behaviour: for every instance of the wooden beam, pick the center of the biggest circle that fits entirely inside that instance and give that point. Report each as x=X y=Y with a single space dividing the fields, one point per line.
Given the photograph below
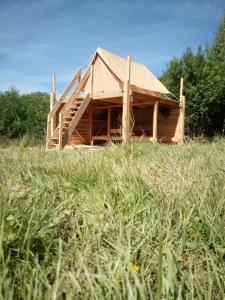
x=108 y=94
x=144 y=98
x=126 y=127
x=60 y=141
x=181 y=87
x=78 y=89
x=182 y=112
x=48 y=132
x=53 y=118
x=65 y=93
x=155 y=121
x=111 y=71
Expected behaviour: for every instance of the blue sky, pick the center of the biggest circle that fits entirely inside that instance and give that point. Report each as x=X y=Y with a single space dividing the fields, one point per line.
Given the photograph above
x=41 y=37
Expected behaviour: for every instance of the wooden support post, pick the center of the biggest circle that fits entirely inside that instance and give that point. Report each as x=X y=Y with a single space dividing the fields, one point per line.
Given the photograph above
x=126 y=126
x=92 y=81
x=60 y=131
x=155 y=120
x=182 y=112
x=109 y=123
x=48 y=131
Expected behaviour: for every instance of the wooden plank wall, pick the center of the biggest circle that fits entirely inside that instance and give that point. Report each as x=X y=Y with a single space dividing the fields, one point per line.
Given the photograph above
x=143 y=121
x=168 y=125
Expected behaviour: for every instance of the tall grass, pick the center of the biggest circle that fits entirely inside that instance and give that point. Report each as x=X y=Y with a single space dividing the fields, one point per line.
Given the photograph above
x=140 y=221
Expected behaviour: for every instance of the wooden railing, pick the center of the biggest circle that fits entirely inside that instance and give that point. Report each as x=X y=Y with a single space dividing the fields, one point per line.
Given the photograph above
x=65 y=93
x=77 y=90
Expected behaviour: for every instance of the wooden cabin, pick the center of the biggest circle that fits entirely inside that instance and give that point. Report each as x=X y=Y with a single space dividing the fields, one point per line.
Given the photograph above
x=116 y=99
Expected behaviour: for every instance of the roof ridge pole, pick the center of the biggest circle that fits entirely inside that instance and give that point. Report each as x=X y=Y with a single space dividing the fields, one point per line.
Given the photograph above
x=182 y=111
x=126 y=126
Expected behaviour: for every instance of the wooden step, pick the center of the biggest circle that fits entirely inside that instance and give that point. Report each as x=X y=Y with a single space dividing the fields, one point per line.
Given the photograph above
x=54 y=145
x=66 y=122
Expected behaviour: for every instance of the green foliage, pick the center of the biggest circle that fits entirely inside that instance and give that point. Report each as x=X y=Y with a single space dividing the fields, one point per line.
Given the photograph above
x=23 y=114
x=204 y=79
x=143 y=222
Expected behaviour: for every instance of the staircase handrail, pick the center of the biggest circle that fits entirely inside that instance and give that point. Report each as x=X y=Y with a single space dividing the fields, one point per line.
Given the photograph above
x=65 y=93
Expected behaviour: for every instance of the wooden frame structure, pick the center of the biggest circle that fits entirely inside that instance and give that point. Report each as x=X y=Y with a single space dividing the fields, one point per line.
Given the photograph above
x=115 y=100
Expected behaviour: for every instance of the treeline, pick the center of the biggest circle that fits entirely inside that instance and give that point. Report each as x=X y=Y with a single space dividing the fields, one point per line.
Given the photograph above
x=23 y=114
x=204 y=77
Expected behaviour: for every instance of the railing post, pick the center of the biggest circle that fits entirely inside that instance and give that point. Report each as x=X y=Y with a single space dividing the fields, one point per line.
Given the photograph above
x=155 y=121
x=182 y=112
x=126 y=126
x=48 y=132
x=60 y=130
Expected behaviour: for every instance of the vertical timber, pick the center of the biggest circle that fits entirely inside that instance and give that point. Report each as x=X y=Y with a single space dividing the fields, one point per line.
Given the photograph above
x=155 y=121
x=182 y=112
x=60 y=130
x=126 y=126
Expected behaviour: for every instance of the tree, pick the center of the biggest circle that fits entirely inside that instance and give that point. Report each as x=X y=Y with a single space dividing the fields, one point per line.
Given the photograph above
x=23 y=114
x=204 y=79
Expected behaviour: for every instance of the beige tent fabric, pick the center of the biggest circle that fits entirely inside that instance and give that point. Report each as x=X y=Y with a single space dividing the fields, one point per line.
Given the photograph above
x=107 y=63
x=103 y=79
x=140 y=74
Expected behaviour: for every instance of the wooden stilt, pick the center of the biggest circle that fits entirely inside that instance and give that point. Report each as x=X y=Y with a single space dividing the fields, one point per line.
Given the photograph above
x=126 y=126
x=60 y=131
x=48 y=131
x=155 y=121
x=182 y=112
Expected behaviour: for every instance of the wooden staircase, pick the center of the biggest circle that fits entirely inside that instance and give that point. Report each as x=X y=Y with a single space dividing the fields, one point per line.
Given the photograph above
x=68 y=120
x=69 y=114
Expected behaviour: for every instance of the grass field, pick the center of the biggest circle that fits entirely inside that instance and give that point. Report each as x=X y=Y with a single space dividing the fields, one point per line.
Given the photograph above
x=143 y=221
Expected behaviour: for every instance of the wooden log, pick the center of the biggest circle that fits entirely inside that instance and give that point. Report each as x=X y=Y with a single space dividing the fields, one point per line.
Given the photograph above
x=155 y=121
x=65 y=93
x=48 y=132
x=60 y=131
x=126 y=126
x=182 y=119
x=182 y=112
x=53 y=118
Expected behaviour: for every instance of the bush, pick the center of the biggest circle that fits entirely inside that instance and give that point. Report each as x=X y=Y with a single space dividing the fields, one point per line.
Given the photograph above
x=23 y=114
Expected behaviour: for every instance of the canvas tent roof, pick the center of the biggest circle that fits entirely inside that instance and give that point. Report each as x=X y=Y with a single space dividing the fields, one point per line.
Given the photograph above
x=140 y=75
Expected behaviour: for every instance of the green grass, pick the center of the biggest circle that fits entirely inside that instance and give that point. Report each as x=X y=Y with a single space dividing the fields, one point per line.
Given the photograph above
x=143 y=221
